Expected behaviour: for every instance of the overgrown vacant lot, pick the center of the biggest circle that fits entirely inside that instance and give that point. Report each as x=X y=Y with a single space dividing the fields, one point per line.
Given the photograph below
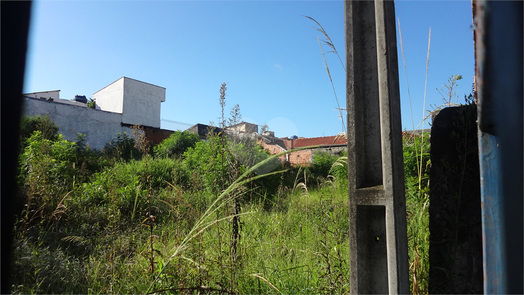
x=189 y=216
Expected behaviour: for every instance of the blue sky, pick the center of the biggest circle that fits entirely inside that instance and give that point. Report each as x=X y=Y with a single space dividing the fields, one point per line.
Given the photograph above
x=266 y=52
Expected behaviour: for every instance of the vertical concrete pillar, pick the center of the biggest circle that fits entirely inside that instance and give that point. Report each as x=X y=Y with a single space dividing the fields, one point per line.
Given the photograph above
x=377 y=212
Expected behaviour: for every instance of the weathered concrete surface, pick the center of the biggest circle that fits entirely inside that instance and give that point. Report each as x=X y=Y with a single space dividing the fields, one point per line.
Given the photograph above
x=378 y=239
x=98 y=126
x=455 y=225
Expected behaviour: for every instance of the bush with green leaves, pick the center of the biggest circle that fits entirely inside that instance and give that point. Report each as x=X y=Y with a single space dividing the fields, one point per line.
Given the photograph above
x=28 y=125
x=176 y=144
x=58 y=163
x=91 y=103
x=126 y=184
x=49 y=169
x=216 y=162
x=322 y=163
x=208 y=163
x=122 y=146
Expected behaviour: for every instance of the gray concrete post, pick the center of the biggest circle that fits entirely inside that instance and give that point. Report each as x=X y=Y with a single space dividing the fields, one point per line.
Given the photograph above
x=377 y=212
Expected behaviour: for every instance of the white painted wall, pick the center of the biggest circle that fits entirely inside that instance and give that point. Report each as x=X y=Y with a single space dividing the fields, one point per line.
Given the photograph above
x=98 y=126
x=142 y=102
x=124 y=101
x=111 y=97
x=138 y=101
x=44 y=94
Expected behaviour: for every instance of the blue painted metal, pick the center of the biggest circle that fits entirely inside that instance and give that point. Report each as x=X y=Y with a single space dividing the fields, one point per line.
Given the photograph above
x=499 y=89
x=492 y=227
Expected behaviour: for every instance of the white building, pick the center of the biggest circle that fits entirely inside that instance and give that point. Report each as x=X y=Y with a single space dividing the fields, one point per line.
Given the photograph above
x=120 y=105
x=137 y=101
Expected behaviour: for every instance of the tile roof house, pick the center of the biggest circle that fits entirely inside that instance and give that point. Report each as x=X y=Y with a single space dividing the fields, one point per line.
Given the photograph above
x=335 y=140
x=331 y=144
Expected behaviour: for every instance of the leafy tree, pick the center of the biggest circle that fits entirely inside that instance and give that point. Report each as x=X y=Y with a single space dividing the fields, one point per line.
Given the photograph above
x=176 y=144
x=28 y=125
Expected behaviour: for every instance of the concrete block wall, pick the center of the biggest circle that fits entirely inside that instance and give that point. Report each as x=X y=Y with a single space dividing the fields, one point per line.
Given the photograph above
x=245 y=127
x=334 y=150
x=142 y=103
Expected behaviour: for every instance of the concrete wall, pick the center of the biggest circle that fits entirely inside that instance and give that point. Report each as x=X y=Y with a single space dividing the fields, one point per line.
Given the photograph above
x=45 y=94
x=139 y=102
x=120 y=105
x=245 y=127
x=142 y=102
x=334 y=150
x=111 y=97
x=98 y=126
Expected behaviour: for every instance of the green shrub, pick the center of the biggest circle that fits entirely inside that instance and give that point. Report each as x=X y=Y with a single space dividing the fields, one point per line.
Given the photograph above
x=91 y=103
x=208 y=165
x=126 y=184
x=28 y=125
x=122 y=146
x=176 y=144
x=48 y=162
x=213 y=166
x=42 y=270
x=322 y=163
x=48 y=171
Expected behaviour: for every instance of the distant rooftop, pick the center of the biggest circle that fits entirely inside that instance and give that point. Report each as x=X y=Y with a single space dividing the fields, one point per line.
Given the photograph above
x=324 y=141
